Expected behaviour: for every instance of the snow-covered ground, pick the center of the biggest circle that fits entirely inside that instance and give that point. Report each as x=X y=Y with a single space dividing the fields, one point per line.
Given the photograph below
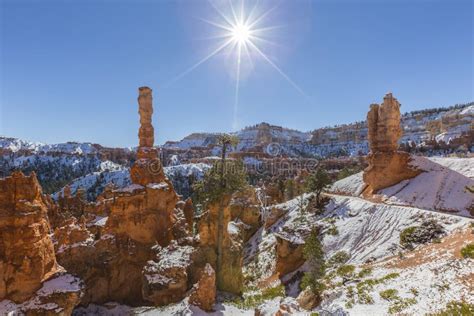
x=39 y=305
x=182 y=308
x=464 y=166
x=442 y=186
x=425 y=281
x=180 y=176
x=437 y=188
x=369 y=232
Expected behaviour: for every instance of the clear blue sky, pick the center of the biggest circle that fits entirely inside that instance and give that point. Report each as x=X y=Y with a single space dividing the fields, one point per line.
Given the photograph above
x=70 y=69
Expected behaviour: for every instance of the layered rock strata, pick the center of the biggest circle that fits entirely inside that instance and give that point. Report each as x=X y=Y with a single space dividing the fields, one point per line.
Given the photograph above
x=142 y=252
x=28 y=267
x=147 y=168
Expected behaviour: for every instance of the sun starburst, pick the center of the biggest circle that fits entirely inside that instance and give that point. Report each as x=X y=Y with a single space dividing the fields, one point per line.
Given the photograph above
x=241 y=33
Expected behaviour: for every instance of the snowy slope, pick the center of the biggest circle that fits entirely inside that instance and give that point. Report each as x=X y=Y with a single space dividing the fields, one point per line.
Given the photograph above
x=15 y=145
x=438 y=188
x=352 y=185
x=464 y=166
x=368 y=232
x=424 y=281
x=94 y=183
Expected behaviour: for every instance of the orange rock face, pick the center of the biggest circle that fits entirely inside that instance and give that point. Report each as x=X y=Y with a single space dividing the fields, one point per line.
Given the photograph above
x=26 y=250
x=203 y=293
x=144 y=214
x=166 y=279
x=29 y=274
x=231 y=278
x=387 y=166
x=289 y=255
x=147 y=169
x=140 y=220
x=141 y=252
x=145 y=102
x=384 y=125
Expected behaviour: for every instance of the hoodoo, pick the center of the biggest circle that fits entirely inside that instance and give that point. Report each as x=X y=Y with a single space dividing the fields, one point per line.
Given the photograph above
x=387 y=165
x=147 y=169
x=118 y=261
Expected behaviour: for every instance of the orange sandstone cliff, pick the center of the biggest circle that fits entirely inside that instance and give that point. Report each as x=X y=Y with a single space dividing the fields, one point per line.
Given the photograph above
x=29 y=273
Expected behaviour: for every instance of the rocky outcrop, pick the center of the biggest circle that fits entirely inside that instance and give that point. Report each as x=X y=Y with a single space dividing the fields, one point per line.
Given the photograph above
x=133 y=245
x=147 y=168
x=26 y=250
x=166 y=279
x=384 y=125
x=289 y=254
x=387 y=166
x=307 y=299
x=29 y=273
x=203 y=293
x=230 y=278
x=240 y=220
x=245 y=211
x=68 y=206
x=140 y=219
x=144 y=214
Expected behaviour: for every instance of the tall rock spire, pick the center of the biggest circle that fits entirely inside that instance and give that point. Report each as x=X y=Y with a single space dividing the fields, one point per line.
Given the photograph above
x=387 y=166
x=146 y=133
x=384 y=125
x=147 y=169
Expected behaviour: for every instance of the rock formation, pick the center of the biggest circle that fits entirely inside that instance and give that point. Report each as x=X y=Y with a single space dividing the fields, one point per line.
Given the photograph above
x=142 y=252
x=133 y=245
x=27 y=252
x=230 y=277
x=27 y=258
x=203 y=293
x=387 y=166
x=289 y=254
x=167 y=278
x=241 y=218
x=147 y=168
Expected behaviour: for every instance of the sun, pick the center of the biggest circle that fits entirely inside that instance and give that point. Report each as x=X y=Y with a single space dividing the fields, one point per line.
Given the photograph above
x=241 y=33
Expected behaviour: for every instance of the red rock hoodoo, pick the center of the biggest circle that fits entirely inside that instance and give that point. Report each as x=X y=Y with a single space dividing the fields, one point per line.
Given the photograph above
x=143 y=251
x=387 y=166
x=147 y=169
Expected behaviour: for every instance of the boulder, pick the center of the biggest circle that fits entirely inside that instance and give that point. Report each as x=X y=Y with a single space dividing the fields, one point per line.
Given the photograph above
x=289 y=254
x=203 y=293
x=307 y=299
x=165 y=279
